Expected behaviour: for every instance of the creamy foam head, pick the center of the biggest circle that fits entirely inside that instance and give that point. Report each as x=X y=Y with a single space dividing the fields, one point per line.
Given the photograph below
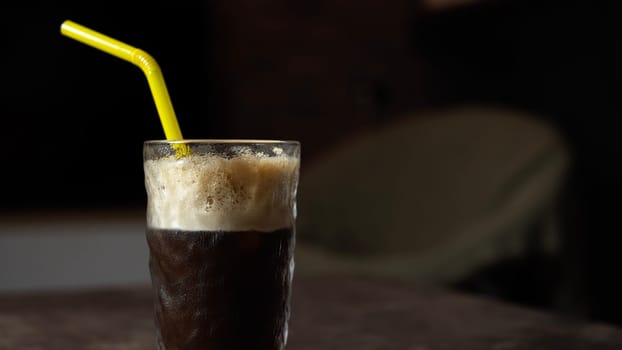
x=213 y=193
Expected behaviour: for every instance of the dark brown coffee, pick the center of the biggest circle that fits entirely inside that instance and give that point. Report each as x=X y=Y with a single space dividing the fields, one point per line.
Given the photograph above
x=221 y=290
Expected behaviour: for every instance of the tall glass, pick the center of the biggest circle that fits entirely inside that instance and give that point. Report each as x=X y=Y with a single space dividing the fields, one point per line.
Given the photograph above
x=221 y=234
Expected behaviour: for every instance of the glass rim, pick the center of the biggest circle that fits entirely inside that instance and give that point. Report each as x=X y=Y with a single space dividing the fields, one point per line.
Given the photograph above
x=222 y=141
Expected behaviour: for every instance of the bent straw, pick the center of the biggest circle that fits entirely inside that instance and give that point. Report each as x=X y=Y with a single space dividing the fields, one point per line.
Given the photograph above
x=141 y=59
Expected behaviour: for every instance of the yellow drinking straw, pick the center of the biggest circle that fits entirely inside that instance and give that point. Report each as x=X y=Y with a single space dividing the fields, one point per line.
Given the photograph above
x=143 y=60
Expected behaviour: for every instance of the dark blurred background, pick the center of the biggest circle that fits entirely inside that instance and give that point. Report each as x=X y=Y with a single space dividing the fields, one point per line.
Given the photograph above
x=74 y=119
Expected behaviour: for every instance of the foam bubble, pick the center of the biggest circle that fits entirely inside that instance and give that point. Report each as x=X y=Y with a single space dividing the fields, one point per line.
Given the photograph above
x=212 y=193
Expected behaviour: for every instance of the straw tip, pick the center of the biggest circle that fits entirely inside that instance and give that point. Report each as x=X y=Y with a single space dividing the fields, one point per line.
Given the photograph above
x=63 y=26
x=67 y=26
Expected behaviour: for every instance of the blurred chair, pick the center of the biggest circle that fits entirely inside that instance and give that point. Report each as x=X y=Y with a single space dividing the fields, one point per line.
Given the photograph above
x=432 y=197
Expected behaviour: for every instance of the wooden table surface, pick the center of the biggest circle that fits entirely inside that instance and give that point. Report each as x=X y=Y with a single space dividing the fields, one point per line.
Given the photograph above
x=329 y=312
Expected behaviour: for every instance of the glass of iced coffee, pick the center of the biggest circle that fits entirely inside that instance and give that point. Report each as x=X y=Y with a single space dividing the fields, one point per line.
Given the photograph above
x=221 y=234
